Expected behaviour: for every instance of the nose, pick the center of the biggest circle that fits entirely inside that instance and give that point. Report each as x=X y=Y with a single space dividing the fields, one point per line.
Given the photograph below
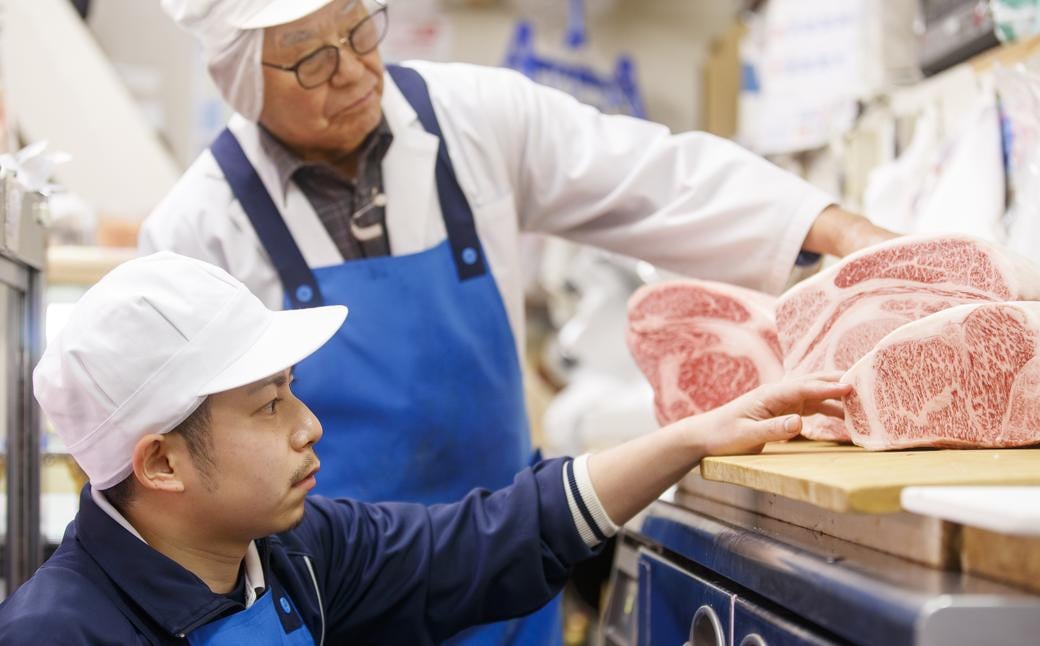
x=308 y=430
x=350 y=68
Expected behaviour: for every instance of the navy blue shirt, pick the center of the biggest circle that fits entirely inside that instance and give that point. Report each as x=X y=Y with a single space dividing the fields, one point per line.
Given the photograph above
x=355 y=573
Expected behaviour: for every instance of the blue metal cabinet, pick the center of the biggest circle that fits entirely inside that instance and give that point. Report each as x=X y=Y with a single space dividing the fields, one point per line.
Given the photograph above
x=677 y=607
x=755 y=626
x=759 y=588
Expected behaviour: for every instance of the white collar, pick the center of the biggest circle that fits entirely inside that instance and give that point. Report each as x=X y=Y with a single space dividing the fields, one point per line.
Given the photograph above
x=254 y=571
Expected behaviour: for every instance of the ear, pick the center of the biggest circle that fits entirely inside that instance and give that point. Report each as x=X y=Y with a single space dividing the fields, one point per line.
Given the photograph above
x=159 y=463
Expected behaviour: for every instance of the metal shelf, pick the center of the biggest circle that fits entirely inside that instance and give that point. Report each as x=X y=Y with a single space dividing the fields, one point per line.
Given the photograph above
x=21 y=303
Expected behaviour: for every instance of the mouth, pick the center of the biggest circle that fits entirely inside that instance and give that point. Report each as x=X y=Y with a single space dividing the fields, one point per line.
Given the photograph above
x=350 y=107
x=308 y=480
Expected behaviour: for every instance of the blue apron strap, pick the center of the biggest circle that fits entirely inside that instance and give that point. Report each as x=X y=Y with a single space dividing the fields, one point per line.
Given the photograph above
x=297 y=278
x=458 y=217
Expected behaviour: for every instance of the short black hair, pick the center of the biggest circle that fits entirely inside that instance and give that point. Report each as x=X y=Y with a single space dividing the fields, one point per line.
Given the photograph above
x=195 y=431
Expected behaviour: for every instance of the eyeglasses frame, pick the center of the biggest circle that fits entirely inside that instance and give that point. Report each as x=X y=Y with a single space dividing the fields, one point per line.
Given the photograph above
x=342 y=41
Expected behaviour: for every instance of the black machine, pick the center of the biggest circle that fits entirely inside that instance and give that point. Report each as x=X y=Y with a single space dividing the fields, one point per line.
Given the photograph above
x=953 y=31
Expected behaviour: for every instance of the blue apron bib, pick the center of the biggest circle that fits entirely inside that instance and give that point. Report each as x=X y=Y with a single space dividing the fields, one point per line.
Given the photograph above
x=420 y=393
x=259 y=625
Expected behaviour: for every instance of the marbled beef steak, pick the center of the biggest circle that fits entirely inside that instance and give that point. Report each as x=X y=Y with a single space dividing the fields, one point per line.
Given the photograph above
x=964 y=377
x=701 y=344
x=831 y=320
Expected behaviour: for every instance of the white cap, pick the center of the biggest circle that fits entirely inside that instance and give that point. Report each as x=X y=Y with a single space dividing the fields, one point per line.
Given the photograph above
x=145 y=346
x=269 y=13
x=231 y=34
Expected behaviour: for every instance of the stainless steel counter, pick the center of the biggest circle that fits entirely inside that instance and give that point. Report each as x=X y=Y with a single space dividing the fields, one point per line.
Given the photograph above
x=830 y=590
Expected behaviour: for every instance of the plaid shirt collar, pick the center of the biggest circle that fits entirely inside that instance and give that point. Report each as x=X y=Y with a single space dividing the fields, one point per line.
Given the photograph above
x=288 y=163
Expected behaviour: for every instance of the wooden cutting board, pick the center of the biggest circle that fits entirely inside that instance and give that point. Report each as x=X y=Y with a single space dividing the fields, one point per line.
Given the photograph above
x=847 y=478
x=924 y=539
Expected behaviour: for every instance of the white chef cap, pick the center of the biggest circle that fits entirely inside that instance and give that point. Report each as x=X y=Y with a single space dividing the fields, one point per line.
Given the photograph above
x=231 y=34
x=144 y=347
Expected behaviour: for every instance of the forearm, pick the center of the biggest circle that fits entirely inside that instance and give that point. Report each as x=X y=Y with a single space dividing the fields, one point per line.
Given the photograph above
x=629 y=477
x=839 y=232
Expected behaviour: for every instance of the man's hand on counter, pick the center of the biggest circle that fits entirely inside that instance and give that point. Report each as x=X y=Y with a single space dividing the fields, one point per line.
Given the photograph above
x=839 y=232
x=629 y=477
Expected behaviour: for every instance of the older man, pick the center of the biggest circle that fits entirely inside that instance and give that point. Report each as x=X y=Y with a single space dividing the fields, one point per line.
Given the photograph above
x=402 y=190
x=171 y=385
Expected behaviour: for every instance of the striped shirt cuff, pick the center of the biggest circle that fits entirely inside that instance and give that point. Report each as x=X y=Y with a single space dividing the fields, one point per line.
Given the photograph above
x=594 y=526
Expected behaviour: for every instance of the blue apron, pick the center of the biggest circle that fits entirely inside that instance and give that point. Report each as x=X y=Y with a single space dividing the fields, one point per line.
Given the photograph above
x=420 y=393
x=261 y=624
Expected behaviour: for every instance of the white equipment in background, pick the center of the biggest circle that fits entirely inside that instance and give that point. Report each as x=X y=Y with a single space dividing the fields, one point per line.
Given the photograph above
x=891 y=191
x=62 y=88
x=164 y=70
x=807 y=62
x=950 y=177
x=606 y=400
x=967 y=181
x=1019 y=92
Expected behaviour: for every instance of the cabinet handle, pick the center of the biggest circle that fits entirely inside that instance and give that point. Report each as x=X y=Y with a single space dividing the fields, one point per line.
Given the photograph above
x=706 y=629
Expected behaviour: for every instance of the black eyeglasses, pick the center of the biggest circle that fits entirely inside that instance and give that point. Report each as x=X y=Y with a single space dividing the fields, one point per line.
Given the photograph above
x=316 y=68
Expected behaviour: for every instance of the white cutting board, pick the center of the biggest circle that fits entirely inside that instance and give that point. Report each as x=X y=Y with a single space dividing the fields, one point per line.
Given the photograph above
x=1005 y=510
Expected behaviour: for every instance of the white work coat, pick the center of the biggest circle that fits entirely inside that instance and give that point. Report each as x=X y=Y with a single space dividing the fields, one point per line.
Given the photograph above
x=529 y=158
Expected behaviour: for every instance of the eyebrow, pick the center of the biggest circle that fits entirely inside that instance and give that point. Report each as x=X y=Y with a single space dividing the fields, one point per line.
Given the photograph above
x=277 y=380
x=292 y=38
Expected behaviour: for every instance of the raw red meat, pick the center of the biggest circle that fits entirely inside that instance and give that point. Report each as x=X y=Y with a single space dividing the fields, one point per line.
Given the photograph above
x=964 y=377
x=701 y=344
x=831 y=320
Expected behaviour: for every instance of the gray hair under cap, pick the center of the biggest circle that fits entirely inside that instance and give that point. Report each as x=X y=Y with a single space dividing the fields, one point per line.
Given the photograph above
x=231 y=33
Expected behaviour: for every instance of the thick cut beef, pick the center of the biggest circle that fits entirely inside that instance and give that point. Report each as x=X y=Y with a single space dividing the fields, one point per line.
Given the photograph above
x=701 y=344
x=831 y=320
x=964 y=377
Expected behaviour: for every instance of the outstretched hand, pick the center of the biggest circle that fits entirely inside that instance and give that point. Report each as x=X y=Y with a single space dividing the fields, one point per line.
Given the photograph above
x=768 y=413
x=628 y=477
